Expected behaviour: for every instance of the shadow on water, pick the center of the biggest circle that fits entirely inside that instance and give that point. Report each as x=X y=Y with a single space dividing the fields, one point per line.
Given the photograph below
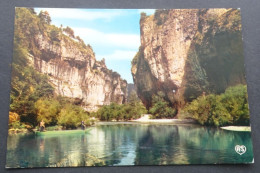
x=130 y=144
x=192 y=145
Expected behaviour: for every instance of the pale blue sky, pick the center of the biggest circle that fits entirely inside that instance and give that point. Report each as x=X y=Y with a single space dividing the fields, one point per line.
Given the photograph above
x=114 y=34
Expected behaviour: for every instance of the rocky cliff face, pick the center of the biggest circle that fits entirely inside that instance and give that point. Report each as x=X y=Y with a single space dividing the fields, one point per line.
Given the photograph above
x=74 y=72
x=184 y=53
x=70 y=64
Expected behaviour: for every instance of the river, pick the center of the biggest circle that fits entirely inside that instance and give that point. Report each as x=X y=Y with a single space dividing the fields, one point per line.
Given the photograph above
x=114 y=144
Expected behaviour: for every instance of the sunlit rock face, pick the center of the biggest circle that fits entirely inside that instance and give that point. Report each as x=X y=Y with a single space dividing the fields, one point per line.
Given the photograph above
x=74 y=72
x=187 y=52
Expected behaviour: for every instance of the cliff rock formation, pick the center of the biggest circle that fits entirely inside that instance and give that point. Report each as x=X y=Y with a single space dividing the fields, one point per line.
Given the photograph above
x=76 y=74
x=185 y=53
x=70 y=64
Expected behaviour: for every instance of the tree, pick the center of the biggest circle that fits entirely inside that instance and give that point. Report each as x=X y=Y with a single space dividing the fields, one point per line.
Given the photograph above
x=160 y=16
x=229 y=108
x=47 y=110
x=28 y=86
x=235 y=100
x=209 y=111
x=160 y=108
x=55 y=34
x=14 y=120
x=79 y=39
x=69 y=31
x=133 y=98
x=143 y=16
x=71 y=116
x=45 y=17
x=135 y=107
x=132 y=110
x=32 y=10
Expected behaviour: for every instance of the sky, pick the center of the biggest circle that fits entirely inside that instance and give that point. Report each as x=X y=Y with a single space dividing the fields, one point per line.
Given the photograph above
x=114 y=34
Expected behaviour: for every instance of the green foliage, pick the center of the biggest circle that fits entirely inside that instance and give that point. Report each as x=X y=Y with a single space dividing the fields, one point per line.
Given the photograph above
x=32 y=97
x=215 y=59
x=197 y=78
x=80 y=45
x=45 y=17
x=209 y=111
x=160 y=108
x=235 y=100
x=55 y=34
x=61 y=111
x=71 y=116
x=17 y=125
x=69 y=31
x=229 y=108
x=28 y=86
x=219 y=53
x=27 y=25
x=132 y=110
x=110 y=112
x=160 y=16
x=134 y=61
x=47 y=110
x=135 y=107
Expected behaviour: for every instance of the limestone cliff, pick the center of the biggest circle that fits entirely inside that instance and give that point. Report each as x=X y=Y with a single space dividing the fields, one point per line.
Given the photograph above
x=75 y=73
x=70 y=64
x=186 y=52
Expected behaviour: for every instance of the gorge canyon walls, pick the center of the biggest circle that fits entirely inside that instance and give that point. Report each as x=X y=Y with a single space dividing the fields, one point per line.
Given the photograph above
x=187 y=53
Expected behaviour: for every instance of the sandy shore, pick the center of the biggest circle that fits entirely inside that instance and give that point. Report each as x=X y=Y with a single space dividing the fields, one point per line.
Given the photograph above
x=146 y=119
x=237 y=128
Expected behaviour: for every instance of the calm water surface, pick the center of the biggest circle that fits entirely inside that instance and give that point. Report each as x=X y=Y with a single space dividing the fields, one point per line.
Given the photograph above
x=130 y=144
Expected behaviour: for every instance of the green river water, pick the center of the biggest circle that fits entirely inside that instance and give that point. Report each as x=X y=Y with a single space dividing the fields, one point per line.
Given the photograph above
x=112 y=144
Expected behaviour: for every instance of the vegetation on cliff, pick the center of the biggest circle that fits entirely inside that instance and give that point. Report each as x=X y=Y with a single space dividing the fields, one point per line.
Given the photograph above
x=215 y=60
x=28 y=86
x=214 y=63
x=210 y=45
x=160 y=16
x=144 y=81
x=32 y=97
x=228 y=108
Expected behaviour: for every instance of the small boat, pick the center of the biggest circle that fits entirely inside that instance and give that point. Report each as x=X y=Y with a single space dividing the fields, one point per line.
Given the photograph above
x=62 y=132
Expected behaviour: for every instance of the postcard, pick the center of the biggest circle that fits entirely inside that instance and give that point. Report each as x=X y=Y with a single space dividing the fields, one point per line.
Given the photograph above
x=120 y=87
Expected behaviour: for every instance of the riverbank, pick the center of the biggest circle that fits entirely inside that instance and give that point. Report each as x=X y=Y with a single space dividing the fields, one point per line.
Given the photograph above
x=146 y=119
x=16 y=131
x=237 y=128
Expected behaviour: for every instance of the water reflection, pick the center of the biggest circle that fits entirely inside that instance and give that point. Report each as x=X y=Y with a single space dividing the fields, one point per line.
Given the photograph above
x=130 y=144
